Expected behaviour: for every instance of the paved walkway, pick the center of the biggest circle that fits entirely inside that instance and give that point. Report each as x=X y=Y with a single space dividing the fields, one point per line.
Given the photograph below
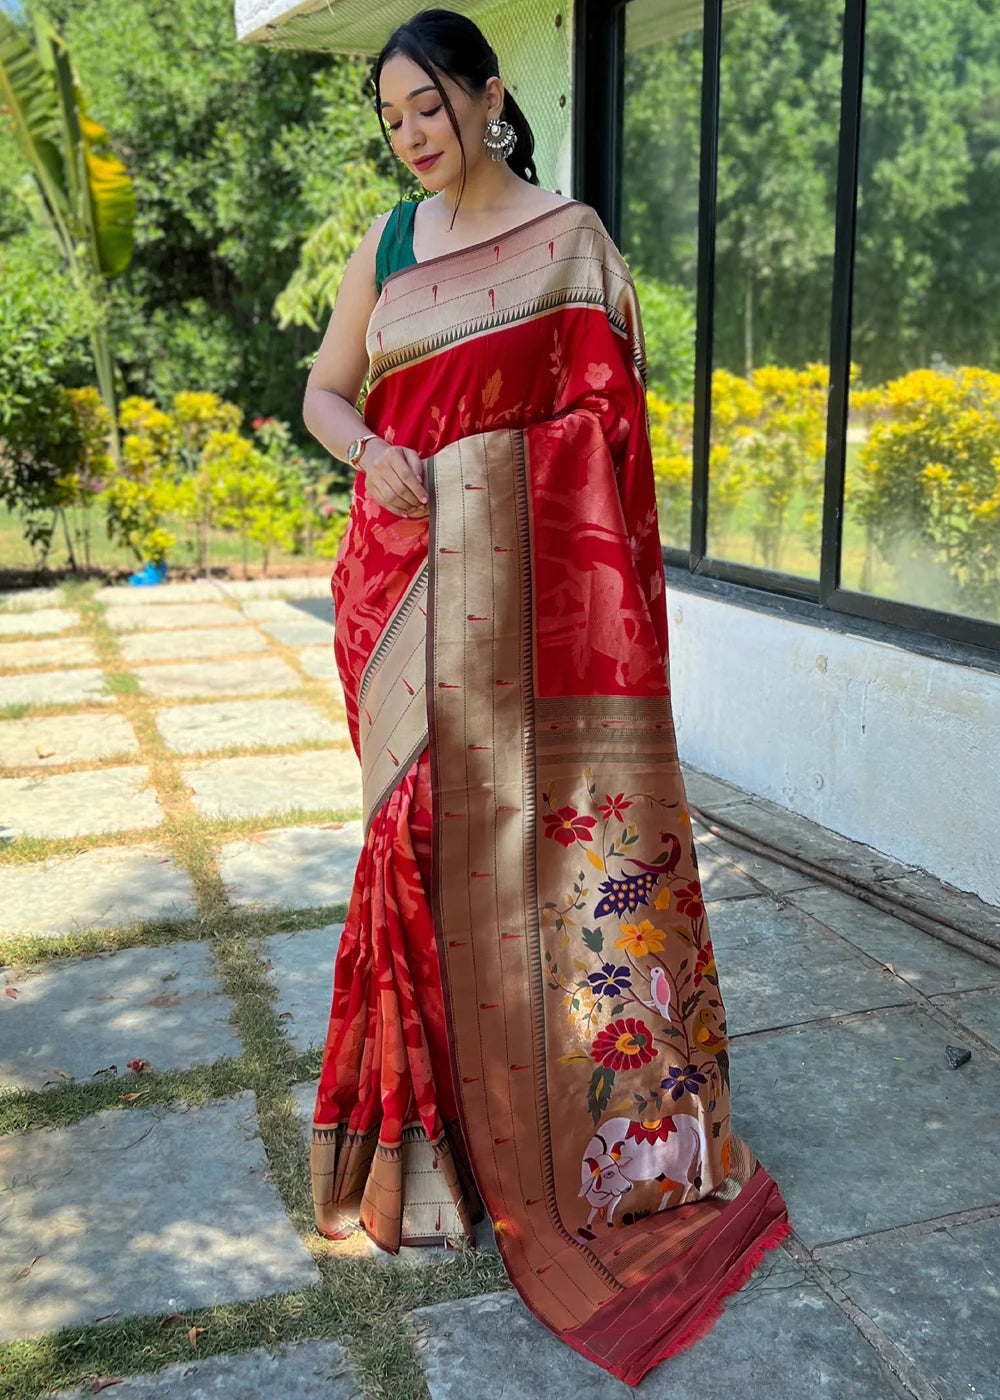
x=180 y=804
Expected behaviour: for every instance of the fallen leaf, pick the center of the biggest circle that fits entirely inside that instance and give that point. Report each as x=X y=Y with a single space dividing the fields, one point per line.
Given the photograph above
x=131 y=1098
x=332 y=826
x=165 y=999
x=138 y=1065
x=43 y=753
x=27 y=1269
x=193 y=1334
x=109 y=1070
x=888 y=967
x=169 y=1321
x=95 y=1386
x=285 y=1016
x=10 y=991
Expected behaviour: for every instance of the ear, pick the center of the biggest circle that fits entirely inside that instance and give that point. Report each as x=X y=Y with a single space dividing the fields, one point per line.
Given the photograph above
x=494 y=98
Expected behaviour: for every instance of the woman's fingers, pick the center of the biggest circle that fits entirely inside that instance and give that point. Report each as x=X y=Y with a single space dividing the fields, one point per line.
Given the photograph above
x=395 y=479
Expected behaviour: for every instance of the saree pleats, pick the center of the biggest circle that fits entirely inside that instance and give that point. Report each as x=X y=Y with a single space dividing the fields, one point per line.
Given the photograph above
x=527 y=977
x=386 y=1112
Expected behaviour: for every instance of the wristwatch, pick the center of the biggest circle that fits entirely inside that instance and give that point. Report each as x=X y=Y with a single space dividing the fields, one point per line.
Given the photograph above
x=356 y=450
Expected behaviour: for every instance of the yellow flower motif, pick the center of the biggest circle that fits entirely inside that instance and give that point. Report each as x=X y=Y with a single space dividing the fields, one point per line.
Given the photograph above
x=642 y=939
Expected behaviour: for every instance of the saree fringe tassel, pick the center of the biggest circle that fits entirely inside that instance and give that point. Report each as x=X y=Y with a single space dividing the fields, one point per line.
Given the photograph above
x=526 y=970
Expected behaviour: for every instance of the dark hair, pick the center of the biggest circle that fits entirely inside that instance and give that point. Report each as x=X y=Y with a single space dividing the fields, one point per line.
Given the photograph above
x=447 y=44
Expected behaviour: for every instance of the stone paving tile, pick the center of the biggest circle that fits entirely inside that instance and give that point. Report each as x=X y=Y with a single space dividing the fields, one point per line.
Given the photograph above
x=320 y=661
x=26 y=599
x=95 y=889
x=296 y=867
x=190 y=642
x=950 y=1276
x=865 y=1127
x=168 y=615
x=300 y=634
x=777 y=968
x=249 y=676
x=42 y=620
x=923 y=961
x=53 y=739
x=279 y=782
x=80 y=1015
x=301 y=967
x=54 y=688
x=310 y=1370
x=197 y=591
x=264 y=723
x=776 y=877
x=978 y=1010
x=943 y=901
x=315 y=587
x=720 y=879
x=779 y=1338
x=57 y=651
x=141 y=1211
x=289 y=610
x=708 y=792
x=798 y=836
x=79 y=804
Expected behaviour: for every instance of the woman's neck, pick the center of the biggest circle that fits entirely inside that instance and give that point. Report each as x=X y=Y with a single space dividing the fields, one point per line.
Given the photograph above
x=489 y=185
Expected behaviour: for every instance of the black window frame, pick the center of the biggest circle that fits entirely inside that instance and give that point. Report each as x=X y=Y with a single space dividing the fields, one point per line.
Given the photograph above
x=598 y=107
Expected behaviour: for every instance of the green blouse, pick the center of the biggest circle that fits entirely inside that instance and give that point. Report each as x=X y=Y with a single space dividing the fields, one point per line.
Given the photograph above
x=395 y=247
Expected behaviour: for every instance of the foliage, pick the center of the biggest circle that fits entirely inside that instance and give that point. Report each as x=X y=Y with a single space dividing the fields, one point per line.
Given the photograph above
x=928 y=483
x=78 y=189
x=766 y=457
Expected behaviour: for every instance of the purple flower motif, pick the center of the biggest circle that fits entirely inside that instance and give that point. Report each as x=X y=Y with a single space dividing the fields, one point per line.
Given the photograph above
x=680 y=1081
x=611 y=981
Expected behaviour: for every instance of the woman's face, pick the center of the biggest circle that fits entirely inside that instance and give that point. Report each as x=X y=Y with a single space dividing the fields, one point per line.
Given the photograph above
x=422 y=135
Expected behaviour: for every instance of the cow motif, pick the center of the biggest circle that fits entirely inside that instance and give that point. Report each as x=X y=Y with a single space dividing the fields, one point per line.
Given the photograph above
x=625 y=1151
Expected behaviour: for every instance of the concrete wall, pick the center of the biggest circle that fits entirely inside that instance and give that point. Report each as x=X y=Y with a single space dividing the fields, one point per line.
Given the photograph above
x=895 y=749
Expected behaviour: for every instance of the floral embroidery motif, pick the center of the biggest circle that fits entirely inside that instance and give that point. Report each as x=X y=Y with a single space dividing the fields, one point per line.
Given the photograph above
x=650 y=993
x=566 y=827
x=624 y=1045
x=598 y=375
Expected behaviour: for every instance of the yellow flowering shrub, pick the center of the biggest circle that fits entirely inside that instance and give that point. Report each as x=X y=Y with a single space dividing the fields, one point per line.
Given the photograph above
x=927 y=484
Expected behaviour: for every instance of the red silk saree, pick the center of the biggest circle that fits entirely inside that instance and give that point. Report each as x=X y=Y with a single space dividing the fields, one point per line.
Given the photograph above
x=526 y=1010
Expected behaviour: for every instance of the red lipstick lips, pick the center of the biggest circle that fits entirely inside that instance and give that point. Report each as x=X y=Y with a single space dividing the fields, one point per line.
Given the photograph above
x=426 y=162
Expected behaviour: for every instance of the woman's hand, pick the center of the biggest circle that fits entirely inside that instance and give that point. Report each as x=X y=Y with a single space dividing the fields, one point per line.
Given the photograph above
x=394 y=477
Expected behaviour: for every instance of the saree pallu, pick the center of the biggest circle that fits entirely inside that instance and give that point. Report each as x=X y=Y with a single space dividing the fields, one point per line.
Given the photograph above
x=526 y=1008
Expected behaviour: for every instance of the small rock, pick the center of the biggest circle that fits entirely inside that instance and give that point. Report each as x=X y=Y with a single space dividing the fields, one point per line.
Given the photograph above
x=957 y=1055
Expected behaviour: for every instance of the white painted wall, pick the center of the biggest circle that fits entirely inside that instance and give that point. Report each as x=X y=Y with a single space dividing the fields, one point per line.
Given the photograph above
x=898 y=750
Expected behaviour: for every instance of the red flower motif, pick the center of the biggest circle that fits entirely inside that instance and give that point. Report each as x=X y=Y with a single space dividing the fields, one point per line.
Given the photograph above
x=650 y=1132
x=566 y=826
x=614 y=807
x=705 y=966
x=257 y=422
x=689 y=901
x=624 y=1044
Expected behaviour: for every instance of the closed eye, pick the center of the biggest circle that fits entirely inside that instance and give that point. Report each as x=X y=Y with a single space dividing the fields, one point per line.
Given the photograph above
x=394 y=126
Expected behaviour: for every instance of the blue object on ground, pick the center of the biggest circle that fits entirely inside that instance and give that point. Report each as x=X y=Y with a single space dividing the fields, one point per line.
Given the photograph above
x=152 y=573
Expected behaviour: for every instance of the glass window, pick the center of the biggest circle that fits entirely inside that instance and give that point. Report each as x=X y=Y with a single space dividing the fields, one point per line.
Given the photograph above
x=922 y=490
x=779 y=118
x=661 y=140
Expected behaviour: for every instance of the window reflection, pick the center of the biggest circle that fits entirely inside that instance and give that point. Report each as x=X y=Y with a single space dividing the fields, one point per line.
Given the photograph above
x=778 y=126
x=660 y=230
x=922 y=490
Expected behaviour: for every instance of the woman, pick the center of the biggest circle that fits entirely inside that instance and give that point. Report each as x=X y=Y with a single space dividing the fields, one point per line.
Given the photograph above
x=526 y=1010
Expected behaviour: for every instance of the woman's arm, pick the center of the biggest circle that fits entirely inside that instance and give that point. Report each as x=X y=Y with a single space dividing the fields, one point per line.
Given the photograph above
x=393 y=474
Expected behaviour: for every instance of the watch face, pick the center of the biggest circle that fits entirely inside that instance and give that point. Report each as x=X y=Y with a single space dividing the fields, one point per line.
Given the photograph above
x=352 y=452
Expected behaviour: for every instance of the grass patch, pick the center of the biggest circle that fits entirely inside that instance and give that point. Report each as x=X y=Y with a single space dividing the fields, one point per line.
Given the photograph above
x=121 y=683
x=19 y=710
x=69 y=1101
x=32 y=950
